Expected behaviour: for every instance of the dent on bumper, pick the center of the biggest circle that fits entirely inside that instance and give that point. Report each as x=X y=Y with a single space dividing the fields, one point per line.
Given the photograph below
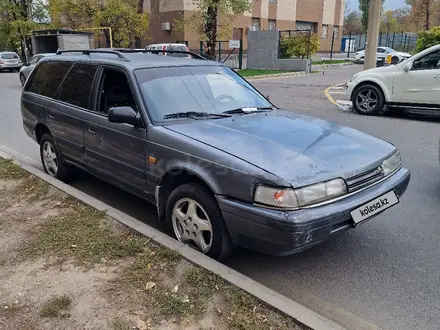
x=287 y=232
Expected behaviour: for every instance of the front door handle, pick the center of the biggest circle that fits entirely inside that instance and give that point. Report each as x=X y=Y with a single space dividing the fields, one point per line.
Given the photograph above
x=92 y=130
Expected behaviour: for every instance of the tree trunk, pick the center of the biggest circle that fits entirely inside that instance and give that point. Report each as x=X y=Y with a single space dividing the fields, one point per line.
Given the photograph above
x=427 y=17
x=210 y=28
x=138 y=42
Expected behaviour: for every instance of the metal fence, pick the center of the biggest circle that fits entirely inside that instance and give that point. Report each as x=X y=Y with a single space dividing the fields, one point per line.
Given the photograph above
x=227 y=53
x=294 y=44
x=403 y=41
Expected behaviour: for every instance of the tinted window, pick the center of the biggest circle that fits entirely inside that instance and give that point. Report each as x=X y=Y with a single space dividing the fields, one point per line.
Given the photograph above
x=77 y=86
x=428 y=62
x=206 y=89
x=9 y=56
x=48 y=78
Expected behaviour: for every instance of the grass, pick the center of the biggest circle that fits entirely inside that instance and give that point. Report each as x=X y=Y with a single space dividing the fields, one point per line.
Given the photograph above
x=10 y=171
x=256 y=72
x=331 y=62
x=56 y=306
x=84 y=234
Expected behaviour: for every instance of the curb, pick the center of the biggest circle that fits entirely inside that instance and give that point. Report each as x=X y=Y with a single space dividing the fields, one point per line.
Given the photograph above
x=298 y=312
x=276 y=75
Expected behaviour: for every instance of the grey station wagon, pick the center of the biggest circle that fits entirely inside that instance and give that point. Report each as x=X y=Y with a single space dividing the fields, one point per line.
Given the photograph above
x=223 y=165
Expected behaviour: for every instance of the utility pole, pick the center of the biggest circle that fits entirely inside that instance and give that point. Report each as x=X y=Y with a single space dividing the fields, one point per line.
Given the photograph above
x=372 y=34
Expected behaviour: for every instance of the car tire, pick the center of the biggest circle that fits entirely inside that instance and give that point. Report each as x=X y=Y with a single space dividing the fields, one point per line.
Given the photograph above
x=191 y=207
x=53 y=161
x=395 y=60
x=369 y=100
x=22 y=79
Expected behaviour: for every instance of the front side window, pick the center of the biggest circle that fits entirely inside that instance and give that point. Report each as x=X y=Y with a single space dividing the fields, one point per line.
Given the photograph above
x=428 y=62
x=201 y=89
x=48 y=78
x=77 y=85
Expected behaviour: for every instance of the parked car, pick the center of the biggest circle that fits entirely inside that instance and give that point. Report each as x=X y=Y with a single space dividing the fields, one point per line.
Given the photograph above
x=28 y=67
x=175 y=46
x=414 y=83
x=223 y=165
x=10 y=61
x=383 y=52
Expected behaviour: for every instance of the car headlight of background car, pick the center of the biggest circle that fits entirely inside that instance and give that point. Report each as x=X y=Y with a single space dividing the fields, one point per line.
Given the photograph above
x=391 y=164
x=299 y=197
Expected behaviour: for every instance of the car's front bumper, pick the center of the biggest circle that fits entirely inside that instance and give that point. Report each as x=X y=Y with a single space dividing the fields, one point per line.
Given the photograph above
x=286 y=232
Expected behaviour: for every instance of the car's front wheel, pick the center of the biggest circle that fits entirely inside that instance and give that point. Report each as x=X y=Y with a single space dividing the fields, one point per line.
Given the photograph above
x=395 y=60
x=194 y=218
x=53 y=160
x=368 y=99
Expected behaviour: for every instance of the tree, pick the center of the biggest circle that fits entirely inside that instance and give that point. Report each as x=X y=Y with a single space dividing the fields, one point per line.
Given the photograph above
x=389 y=22
x=427 y=39
x=364 y=6
x=352 y=23
x=19 y=18
x=213 y=18
x=298 y=45
x=123 y=17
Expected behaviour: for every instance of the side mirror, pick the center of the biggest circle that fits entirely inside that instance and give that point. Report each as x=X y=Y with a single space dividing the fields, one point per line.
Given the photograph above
x=407 y=67
x=124 y=115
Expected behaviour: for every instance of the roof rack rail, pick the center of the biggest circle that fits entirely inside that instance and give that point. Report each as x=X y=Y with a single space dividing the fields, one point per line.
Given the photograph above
x=157 y=51
x=94 y=51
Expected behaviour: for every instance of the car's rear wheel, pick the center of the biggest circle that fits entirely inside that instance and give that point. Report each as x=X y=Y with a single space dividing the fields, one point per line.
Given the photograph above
x=194 y=218
x=22 y=79
x=53 y=161
x=368 y=99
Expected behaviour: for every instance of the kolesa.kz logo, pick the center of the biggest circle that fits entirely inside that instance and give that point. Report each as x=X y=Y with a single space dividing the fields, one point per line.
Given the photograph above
x=372 y=208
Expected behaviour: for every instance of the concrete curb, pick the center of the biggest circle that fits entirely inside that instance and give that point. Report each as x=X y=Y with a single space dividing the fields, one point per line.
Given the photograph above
x=300 y=313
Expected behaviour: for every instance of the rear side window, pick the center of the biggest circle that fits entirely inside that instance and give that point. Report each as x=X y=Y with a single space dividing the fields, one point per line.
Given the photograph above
x=77 y=86
x=48 y=78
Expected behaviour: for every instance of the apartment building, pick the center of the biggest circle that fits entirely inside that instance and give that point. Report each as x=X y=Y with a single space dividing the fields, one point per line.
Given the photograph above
x=323 y=17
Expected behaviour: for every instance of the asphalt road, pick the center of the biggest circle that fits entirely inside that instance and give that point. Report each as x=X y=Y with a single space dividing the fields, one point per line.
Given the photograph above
x=382 y=274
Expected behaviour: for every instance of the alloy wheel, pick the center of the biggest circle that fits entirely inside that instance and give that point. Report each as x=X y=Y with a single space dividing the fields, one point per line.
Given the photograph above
x=191 y=224
x=367 y=100
x=50 y=159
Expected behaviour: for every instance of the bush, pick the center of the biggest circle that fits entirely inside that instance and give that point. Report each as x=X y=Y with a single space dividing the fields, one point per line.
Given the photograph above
x=427 y=39
x=297 y=45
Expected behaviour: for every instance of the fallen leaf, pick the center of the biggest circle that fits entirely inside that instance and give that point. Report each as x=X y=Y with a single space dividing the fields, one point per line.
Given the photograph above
x=149 y=285
x=74 y=245
x=175 y=289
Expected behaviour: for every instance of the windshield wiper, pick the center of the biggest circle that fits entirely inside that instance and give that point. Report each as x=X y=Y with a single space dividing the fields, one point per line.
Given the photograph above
x=195 y=114
x=246 y=110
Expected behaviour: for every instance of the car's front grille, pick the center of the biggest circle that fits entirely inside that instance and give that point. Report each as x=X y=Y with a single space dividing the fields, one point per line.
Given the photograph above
x=365 y=179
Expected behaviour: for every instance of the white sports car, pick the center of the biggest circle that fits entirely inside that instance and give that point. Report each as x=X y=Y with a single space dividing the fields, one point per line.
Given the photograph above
x=383 y=52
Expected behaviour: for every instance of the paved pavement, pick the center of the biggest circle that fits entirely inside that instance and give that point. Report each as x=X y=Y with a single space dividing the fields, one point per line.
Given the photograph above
x=383 y=274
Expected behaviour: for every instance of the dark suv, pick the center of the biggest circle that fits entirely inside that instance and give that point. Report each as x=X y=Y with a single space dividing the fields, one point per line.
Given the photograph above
x=222 y=164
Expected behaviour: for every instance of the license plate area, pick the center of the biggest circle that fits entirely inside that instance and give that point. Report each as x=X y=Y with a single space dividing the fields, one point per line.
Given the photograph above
x=374 y=207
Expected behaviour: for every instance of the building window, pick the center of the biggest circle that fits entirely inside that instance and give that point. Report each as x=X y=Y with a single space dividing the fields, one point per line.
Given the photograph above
x=272 y=24
x=255 y=24
x=324 y=31
x=272 y=1
x=336 y=32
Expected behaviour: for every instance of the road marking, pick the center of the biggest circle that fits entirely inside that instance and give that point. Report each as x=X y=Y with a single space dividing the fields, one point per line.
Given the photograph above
x=337 y=93
x=330 y=98
x=338 y=87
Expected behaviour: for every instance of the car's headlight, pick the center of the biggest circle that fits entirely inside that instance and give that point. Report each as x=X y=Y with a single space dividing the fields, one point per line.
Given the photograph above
x=392 y=164
x=299 y=197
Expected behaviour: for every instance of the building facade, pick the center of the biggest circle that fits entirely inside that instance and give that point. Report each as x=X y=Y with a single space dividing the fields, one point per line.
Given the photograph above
x=323 y=17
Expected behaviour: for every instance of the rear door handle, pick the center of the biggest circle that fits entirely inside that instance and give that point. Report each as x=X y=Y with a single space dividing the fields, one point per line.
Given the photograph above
x=92 y=129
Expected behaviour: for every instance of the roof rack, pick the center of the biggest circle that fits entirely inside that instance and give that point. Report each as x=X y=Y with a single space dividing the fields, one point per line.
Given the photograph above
x=157 y=51
x=94 y=51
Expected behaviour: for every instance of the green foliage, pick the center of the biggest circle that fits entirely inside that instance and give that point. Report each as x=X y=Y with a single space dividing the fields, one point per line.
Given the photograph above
x=364 y=6
x=428 y=39
x=298 y=45
x=123 y=17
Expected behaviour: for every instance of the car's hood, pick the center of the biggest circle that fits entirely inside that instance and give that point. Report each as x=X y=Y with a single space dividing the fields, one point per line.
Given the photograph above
x=404 y=54
x=380 y=70
x=299 y=149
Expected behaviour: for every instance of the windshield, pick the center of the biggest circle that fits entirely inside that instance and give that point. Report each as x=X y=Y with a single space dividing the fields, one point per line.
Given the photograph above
x=9 y=56
x=209 y=89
